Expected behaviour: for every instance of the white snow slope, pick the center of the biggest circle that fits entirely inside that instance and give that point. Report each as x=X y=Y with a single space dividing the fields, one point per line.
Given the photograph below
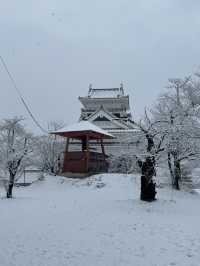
x=61 y=222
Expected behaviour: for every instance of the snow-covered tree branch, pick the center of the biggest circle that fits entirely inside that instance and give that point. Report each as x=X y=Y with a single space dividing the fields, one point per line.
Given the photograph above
x=49 y=150
x=16 y=146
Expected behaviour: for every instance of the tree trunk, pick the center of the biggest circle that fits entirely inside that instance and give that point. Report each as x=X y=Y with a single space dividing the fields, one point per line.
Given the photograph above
x=177 y=173
x=10 y=186
x=148 y=190
x=148 y=186
x=170 y=168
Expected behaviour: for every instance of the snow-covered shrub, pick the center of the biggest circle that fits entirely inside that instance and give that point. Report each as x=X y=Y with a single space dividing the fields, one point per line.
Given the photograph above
x=123 y=163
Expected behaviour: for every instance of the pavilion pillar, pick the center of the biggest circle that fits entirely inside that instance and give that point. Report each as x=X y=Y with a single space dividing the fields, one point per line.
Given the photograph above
x=87 y=154
x=103 y=149
x=67 y=145
x=103 y=163
x=66 y=154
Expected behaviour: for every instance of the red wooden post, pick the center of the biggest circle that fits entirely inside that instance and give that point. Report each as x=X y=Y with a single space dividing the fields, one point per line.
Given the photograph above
x=103 y=163
x=87 y=153
x=103 y=150
x=67 y=145
x=66 y=154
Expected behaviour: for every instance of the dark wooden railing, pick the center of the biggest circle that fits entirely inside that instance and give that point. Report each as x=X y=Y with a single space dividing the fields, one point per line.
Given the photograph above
x=81 y=162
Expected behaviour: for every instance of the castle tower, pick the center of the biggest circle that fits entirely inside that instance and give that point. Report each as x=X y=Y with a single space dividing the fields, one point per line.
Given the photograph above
x=109 y=109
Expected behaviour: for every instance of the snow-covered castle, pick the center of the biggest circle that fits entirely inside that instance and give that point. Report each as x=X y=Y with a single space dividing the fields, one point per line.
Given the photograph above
x=110 y=110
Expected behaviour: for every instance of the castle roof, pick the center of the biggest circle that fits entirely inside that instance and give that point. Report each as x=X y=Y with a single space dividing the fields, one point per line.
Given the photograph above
x=106 y=93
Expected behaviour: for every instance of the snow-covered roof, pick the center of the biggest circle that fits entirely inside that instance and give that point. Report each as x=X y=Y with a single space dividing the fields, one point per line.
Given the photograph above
x=112 y=118
x=105 y=93
x=82 y=127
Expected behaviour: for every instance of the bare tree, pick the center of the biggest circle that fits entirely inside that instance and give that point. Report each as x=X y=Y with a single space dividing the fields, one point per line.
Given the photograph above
x=178 y=122
x=16 y=145
x=49 y=150
x=147 y=162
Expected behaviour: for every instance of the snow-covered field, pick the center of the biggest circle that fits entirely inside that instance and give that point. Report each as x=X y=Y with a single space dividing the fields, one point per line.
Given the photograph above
x=98 y=221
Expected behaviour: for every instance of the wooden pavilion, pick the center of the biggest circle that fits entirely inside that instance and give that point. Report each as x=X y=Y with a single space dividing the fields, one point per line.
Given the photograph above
x=85 y=161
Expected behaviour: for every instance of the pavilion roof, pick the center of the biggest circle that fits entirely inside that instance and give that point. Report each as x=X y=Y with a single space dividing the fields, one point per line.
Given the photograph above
x=81 y=129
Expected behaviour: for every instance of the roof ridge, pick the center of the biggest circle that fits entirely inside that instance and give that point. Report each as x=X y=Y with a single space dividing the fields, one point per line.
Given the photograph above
x=105 y=89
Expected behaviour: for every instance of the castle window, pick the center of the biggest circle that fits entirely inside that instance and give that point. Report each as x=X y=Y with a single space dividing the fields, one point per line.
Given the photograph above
x=101 y=118
x=117 y=115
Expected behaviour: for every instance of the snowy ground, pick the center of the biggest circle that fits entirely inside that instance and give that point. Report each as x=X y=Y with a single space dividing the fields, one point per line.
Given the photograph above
x=61 y=222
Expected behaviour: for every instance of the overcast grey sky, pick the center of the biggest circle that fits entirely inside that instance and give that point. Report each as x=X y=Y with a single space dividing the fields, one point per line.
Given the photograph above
x=56 y=48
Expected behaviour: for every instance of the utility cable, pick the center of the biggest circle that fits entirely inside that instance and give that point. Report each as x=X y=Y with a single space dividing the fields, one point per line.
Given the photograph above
x=21 y=97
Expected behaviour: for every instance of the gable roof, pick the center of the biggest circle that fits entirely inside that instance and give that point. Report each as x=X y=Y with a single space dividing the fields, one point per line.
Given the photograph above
x=112 y=118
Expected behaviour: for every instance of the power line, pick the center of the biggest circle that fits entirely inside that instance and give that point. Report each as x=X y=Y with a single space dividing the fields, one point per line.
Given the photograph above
x=21 y=97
